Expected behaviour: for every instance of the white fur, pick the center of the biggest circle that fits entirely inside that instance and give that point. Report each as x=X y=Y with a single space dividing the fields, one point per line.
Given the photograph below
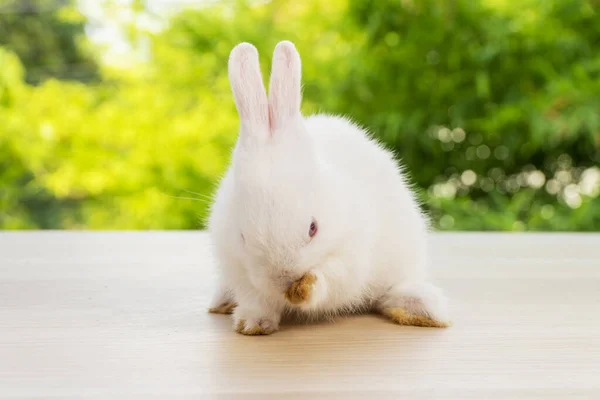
x=370 y=249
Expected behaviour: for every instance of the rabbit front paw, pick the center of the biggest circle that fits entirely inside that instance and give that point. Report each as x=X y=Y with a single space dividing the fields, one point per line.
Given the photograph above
x=223 y=308
x=223 y=301
x=301 y=290
x=253 y=320
x=255 y=326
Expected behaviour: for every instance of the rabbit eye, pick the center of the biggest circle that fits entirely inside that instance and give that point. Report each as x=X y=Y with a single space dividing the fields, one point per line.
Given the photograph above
x=312 y=231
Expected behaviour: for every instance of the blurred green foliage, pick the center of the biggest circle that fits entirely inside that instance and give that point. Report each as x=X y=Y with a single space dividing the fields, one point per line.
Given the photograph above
x=48 y=36
x=493 y=106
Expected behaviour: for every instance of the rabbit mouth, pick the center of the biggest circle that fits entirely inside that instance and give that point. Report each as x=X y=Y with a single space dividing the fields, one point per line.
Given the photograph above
x=284 y=283
x=276 y=283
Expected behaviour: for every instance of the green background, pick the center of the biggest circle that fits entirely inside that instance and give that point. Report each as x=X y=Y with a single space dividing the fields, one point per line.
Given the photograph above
x=494 y=106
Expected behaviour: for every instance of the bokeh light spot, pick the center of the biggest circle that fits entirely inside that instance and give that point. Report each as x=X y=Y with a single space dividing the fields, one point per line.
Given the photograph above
x=468 y=177
x=501 y=152
x=446 y=222
x=483 y=152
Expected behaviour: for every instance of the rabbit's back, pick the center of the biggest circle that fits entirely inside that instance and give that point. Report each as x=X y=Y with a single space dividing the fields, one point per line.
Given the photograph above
x=372 y=171
x=355 y=155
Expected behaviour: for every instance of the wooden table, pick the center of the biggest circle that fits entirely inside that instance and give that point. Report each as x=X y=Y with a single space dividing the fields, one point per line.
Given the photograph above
x=123 y=316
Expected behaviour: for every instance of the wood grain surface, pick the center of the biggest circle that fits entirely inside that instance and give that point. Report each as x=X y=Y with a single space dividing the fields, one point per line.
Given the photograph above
x=123 y=316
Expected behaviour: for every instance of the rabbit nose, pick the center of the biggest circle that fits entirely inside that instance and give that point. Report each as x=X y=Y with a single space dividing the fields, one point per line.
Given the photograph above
x=287 y=281
x=284 y=281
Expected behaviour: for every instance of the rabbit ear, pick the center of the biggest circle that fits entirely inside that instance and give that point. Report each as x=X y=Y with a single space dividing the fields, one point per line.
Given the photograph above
x=284 y=88
x=249 y=90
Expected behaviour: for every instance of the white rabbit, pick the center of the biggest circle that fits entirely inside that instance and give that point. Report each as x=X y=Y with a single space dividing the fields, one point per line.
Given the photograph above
x=313 y=215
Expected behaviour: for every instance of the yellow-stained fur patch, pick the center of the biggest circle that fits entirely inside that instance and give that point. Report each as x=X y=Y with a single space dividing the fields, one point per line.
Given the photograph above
x=402 y=317
x=301 y=290
x=241 y=328
x=225 y=308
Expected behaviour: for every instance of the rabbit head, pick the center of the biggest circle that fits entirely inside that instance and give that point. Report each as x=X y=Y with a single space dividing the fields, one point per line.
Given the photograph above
x=279 y=180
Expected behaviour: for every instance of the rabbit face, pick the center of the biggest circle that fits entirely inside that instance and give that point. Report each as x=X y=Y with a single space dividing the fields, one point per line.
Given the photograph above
x=279 y=183
x=279 y=201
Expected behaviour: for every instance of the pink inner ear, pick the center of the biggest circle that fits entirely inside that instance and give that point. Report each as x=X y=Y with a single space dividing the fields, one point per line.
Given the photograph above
x=244 y=109
x=279 y=109
x=249 y=91
x=284 y=90
x=254 y=105
x=272 y=117
x=288 y=58
x=271 y=122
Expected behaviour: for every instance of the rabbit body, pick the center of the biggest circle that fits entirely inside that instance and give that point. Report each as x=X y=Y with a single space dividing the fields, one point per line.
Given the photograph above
x=313 y=215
